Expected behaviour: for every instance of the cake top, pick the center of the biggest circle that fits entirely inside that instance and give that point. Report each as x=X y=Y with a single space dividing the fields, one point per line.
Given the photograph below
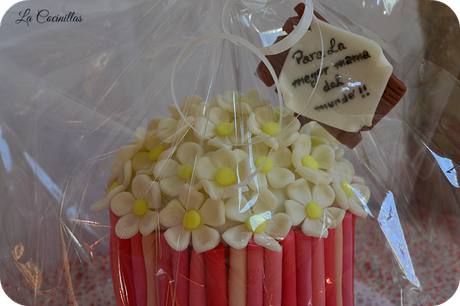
x=230 y=169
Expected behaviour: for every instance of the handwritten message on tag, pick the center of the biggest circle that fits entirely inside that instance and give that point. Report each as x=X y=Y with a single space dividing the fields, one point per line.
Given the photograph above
x=346 y=90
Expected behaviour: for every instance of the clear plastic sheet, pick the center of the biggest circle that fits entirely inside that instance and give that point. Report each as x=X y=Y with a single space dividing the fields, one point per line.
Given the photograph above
x=73 y=94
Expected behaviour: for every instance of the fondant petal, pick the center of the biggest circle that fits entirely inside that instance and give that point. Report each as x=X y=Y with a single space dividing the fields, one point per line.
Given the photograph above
x=191 y=198
x=279 y=226
x=127 y=226
x=189 y=153
x=98 y=206
x=122 y=204
x=266 y=202
x=302 y=147
x=323 y=194
x=281 y=158
x=178 y=237
x=148 y=223
x=280 y=177
x=140 y=186
x=356 y=208
x=296 y=211
x=237 y=237
x=285 y=140
x=172 y=214
x=218 y=115
x=127 y=152
x=213 y=189
x=324 y=155
x=205 y=128
x=333 y=217
x=165 y=168
x=267 y=242
x=205 y=169
x=299 y=191
x=213 y=212
x=314 y=228
x=225 y=158
x=171 y=186
x=254 y=126
x=340 y=196
x=308 y=174
x=205 y=238
x=237 y=209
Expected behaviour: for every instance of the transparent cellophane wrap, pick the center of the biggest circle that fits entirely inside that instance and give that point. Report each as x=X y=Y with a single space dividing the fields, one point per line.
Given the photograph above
x=72 y=95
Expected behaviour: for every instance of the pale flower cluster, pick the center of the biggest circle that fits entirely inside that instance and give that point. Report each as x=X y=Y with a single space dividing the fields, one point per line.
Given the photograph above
x=235 y=169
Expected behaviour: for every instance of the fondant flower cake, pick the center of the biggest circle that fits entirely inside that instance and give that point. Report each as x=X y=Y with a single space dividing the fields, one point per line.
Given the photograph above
x=238 y=204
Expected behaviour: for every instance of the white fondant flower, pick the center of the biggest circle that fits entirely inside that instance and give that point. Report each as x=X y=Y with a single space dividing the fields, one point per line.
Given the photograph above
x=264 y=124
x=171 y=130
x=320 y=133
x=313 y=208
x=191 y=106
x=241 y=104
x=352 y=197
x=258 y=220
x=127 y=152
x=189 y=216
x=172 y=175
x=116 y=183
x=217 y=126
x=275 y=171
x=219 y=171
x=311 y=163
x=137 y=209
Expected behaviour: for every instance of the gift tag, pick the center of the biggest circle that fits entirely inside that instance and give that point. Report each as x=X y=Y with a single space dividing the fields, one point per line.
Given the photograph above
x=344 y=74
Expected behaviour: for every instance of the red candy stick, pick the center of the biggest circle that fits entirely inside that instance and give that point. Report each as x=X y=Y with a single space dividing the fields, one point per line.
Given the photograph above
x=289 y=270
x=318 y=271
x=197 y=291
x=339 y=263
x=216 y=270
x=255 y=268
x=180 y=265
x=273 y=267
x=347 y=278
x=150 y=259
x=329 y=258
x=122 y=269
x=164 y=273
x=140 y=279
x=115 y=259
x=237 y=274
x=304 y=279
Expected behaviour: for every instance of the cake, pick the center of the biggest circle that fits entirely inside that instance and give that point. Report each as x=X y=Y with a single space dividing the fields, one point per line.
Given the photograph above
x=232 y=202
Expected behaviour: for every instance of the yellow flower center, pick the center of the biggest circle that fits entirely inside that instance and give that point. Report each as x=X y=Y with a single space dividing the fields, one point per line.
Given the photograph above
x=267 y=166
x=225 y=129
x=310 y=162
x=155 y=153
x=192 y=219
x=313 y=210
x=242 y=100
x=347 y=188
x=270 y=128
x=185 y=171
x=256 y=224
x=225 y=176
x=114 y=185
x=140 y=208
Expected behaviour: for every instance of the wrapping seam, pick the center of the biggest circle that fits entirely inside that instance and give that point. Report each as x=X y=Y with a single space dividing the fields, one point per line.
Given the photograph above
x=286 y=43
